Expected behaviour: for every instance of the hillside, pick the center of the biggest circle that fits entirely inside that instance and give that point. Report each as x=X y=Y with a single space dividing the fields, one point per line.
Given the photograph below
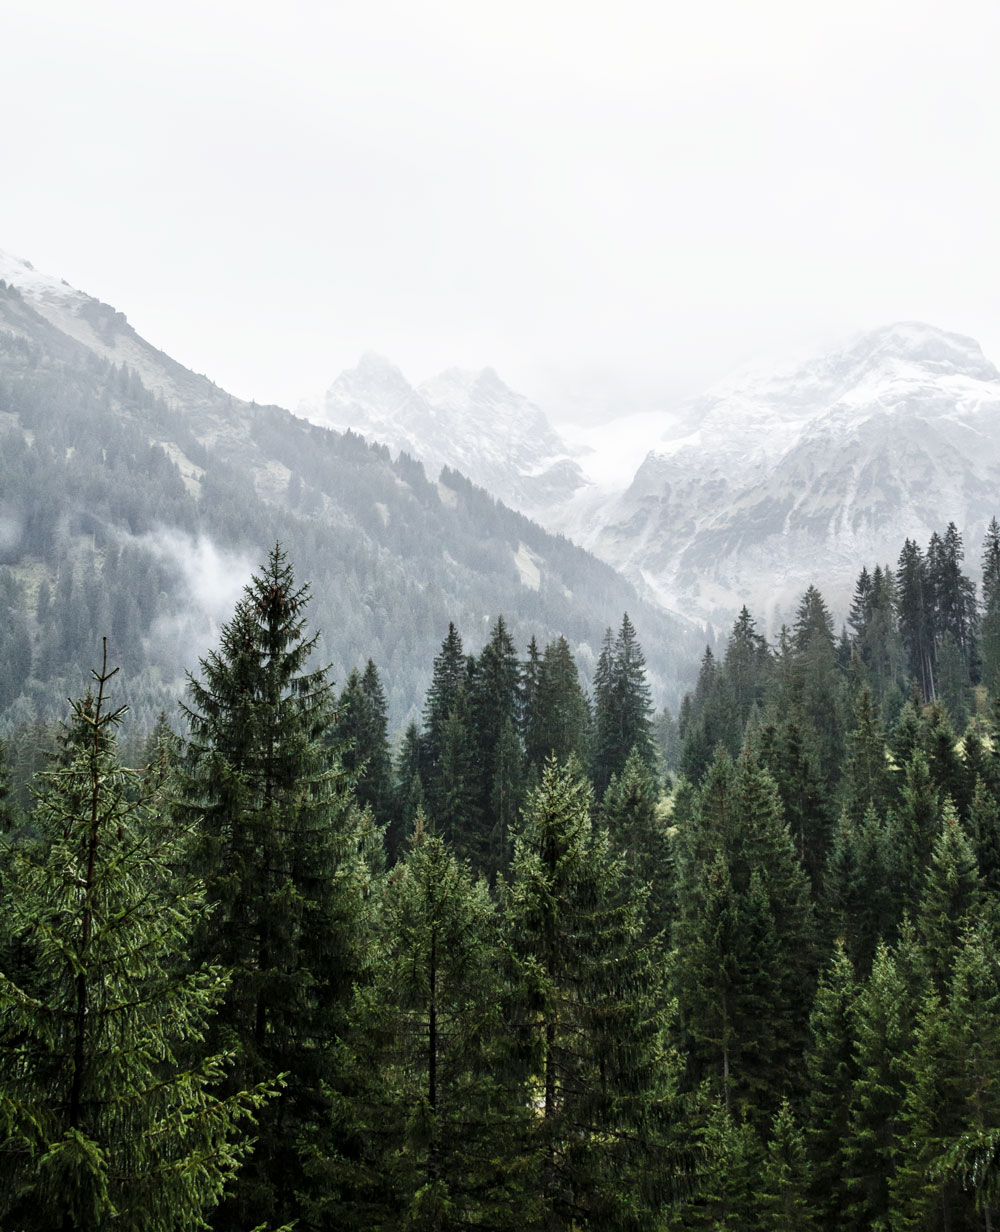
x=137 y=496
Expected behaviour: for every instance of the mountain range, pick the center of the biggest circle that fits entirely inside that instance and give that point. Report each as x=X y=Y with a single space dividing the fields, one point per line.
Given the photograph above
x=745 y=494
x=136 y=496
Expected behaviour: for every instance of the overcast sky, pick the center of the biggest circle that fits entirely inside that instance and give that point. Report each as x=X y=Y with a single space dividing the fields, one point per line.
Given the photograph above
x=604 y=200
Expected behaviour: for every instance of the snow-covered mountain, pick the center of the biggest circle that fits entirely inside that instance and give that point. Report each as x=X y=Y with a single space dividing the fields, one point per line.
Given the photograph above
x=470 y=421
x=747 y=493
x=106 y=332
x=761 y=486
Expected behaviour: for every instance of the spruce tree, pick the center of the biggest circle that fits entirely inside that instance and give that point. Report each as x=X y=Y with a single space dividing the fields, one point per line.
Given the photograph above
x=860 y=899
x=793 y=766
x=914 y=826
x=783 y=1196
x=950 y=901
x=916 y=617
x=815 y=683
x=496 y=706
x=867 y=775
x=885 y=1014
x=408 y=792
x=951 y=1099
x=831 y=1069
x=630 y=811
x=961 y=1155
x=730 y=1166
x=984 y=831
x=743 y=939
x=287 y=859
x=6 y=809
x=441 y=1125
x=362 y=737
x=990 y=627
x=622 y=706
x=593 y=1027
x=108 y=1116
x=703 y=723
x=745 y=674
x=449 y=676
x=557 y=718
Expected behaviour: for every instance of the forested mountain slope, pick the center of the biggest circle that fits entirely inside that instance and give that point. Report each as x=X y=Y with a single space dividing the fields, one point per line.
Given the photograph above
x=135 y=497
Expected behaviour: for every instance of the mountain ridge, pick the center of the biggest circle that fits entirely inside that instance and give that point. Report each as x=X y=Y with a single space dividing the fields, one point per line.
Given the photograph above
x=771 y=480
x=117 y=482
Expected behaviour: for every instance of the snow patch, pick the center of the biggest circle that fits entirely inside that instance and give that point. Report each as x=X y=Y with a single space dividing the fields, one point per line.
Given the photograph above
x=528 y=567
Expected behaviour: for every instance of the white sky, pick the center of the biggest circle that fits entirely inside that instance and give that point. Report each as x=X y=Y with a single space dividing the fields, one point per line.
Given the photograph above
x=606 y=200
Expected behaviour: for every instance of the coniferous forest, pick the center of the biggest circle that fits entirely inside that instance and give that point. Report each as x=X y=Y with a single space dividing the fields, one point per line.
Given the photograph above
x=549 y=961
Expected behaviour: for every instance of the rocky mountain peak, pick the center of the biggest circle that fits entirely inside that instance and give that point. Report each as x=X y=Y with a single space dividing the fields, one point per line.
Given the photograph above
x=916 y=350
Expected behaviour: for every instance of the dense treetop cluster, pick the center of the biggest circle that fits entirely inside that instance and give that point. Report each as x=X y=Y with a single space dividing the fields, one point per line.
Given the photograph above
x=555 y=962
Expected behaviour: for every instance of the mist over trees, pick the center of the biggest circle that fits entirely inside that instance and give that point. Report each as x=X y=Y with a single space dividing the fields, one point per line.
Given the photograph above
x=127 y=515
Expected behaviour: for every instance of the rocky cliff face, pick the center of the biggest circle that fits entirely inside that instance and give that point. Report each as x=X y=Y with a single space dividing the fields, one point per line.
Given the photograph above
x=469 y=421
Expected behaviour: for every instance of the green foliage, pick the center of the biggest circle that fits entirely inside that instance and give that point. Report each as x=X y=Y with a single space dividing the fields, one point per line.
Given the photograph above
x=631 y=812
x=557 y=716
x=287 y=860
x=108 y=1110
x=622 y=705
x=885 y=1013
x=951 y=1099
x=784 y=1189
x=592 y=1015
x=730 y=1165
x=429 y=1038
x=832 y=1071
x=743 y=941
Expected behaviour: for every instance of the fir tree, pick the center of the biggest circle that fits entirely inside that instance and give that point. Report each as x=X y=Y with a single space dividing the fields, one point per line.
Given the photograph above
x=951 y=898
x=630 y=811
x=622 y=706
x=831 y=1069
x=362 y=735
x=107 y=1111
x=557 y=717
x=990 y=627
x=440 y=1125
x=784 y=1191
x=594 y=1027
x=286 y=858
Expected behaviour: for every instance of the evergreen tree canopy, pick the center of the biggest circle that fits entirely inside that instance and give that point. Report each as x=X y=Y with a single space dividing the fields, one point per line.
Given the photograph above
x=622 y=705
x=108 y=1110
x=286 y=858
